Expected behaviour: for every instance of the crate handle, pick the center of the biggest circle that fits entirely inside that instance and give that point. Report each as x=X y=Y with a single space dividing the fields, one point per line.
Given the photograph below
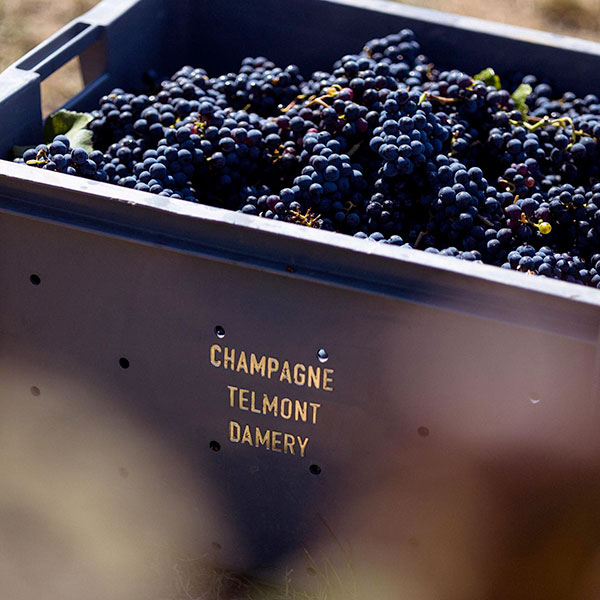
x=60 y=48
x=20 y=89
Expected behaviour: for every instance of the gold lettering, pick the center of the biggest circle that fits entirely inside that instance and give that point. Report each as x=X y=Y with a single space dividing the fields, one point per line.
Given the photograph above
x=300 y=413
x=242 y=364
x=299 y=374
x=232 y=390
x=229 y=358
x=263 y=440
x=272 y=366
x=328 y=380
x=288 y=443
x=257 y=366
x=315 y=407
x=285 y=374
x=285 y=408
x=213 y=355
x=269 y=405
x=247 y=436
x=243 y=395
x=234 y=431
x=268 y=366
x=253 y=403
x=314 y=376
x=275 y=440
x=302 y=442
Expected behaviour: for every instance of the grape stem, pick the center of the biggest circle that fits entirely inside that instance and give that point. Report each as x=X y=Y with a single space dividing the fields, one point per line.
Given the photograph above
x=309 y=219
x=486 y=221
x=565 y=122
x=443 y=100
x=419 y=239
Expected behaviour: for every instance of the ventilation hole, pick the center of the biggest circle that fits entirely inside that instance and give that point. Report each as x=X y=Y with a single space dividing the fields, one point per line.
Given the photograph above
x=322 y=355
x=124 y=363
x=123 y=472
x=35 y=390
x=61 y=85
x=35 y=279
x=216 y=546
x=423 y=431
x=315 y=469
x=219 y=332
x=214 y=446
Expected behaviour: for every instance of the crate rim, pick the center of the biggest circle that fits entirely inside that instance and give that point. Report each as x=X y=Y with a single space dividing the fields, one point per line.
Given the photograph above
x=474 y=24
x=173 y=223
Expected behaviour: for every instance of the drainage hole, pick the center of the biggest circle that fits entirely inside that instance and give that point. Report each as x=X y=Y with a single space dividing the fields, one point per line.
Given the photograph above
x=35 y=390
x=35 y=279
x=219 y=332
x=315 y=469
x=214 y=446
x=124 y=363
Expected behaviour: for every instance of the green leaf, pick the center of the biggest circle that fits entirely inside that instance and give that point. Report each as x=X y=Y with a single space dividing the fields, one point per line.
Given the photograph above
x=489 y=77
x=18 y=151
x=72 y=124
x=81 y=138
x=519 y=97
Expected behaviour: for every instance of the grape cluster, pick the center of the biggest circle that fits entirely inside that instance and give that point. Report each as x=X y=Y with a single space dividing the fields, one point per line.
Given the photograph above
x=59 y=156
x=383 y=147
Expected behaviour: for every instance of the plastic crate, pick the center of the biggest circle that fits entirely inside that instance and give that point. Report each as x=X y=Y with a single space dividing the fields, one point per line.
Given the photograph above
x=165 y=394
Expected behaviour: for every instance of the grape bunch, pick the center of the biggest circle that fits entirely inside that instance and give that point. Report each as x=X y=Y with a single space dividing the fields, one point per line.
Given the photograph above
x=382 y=146
x=59 y=156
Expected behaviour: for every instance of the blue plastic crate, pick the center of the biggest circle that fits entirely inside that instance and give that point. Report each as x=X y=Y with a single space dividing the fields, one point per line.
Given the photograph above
x=165 y=399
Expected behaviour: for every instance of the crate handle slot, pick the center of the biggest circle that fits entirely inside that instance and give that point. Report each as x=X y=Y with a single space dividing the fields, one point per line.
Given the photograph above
x=20 y=83
x=59 y=49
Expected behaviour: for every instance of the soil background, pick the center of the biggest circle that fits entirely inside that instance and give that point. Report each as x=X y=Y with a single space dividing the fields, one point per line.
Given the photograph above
x=26 y=23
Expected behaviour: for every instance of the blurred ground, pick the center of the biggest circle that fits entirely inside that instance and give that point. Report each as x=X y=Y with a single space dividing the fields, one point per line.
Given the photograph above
x=26 y=23
x=580 y=18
